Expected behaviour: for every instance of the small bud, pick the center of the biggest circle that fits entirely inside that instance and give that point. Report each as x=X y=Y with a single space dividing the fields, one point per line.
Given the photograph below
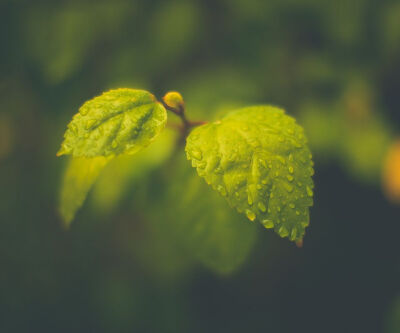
x=174 y=100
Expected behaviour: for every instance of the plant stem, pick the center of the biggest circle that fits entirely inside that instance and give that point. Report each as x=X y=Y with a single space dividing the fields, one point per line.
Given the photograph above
x=187 y=125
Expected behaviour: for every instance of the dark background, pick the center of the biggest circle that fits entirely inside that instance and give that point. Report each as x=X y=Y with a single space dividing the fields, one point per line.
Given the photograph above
x=334 y=65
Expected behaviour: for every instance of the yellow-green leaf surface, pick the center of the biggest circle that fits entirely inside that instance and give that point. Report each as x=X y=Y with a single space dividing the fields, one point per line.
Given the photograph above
x=258 y=159
x=79 y=177
x=119 y=121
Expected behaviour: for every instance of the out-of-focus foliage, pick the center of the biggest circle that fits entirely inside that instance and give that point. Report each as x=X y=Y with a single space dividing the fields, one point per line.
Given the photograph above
x=61 y=37
x=392 y=324
x=351 y=131
x=79 y=177
x=391 y=172
x=199 y=221
x=6 y=135
x=123 y=270
x=258 y=159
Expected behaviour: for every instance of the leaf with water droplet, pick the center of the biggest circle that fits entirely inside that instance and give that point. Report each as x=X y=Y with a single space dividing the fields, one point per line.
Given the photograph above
x=119 y=121
x=271 y=156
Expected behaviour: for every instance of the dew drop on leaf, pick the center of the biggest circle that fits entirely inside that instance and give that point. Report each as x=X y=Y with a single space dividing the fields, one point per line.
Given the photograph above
x=283 y=232
x=267 y=223
x=262 y=207
x=293 y=234
x=250 y=215
x=309 y=191
x=221 y=190
x=197 y=154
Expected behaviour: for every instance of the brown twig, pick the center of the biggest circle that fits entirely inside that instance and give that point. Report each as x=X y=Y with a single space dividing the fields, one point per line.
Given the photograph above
x=187 y=125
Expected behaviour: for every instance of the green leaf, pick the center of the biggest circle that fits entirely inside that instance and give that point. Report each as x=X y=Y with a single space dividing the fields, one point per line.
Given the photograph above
x=258 y=159
x=79 y=177
x=119 y=121
x=200 y=223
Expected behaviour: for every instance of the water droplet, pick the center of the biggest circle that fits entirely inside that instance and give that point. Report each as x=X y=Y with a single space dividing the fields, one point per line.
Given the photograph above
x=268 y=224
x=290 y=178
x=309 y=191
x=221 y=189
x=73 y=128
x=297 y=212
x=201 y=165
x=292 y=205
x=293 y=234
x=262 y=162
x=218 y=171
x=305 y=224
x=197 y=154
x=281 y=159
x=283 y=232
x=249 y=199
x=290 y=157
x=262 y=207
x=291 y=170
x=288 y=187
x=250 y=215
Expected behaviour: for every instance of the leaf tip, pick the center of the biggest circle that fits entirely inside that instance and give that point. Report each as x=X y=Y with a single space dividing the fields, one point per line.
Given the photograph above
x=66 y=224
x=299 y=243
x=62 y=151
x=66 y=218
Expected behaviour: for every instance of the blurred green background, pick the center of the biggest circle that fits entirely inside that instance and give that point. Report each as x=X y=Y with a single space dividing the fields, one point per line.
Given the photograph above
x=131 y=261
